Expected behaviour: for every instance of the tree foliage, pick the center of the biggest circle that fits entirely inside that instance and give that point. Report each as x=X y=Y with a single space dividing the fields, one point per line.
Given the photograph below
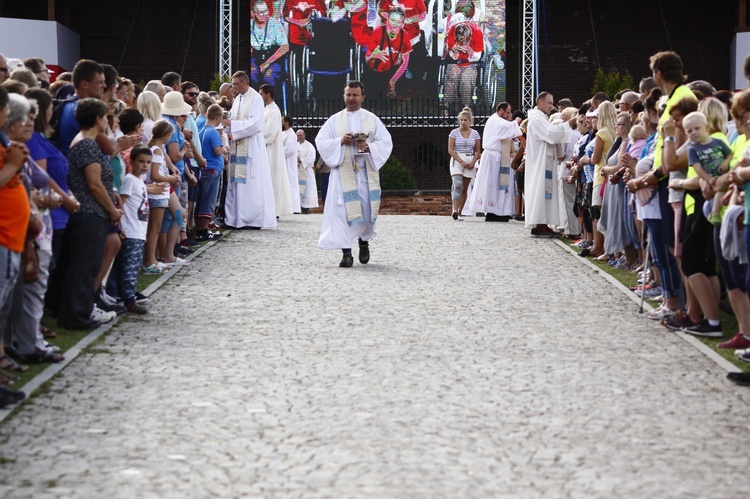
x=611 y=83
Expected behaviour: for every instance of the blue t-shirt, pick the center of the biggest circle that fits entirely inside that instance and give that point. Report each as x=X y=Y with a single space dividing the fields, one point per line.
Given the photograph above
x=57 y=169
x=180 y=139
x=210 y=138
x=68 y=127
x=710 y=155
x=200 y=122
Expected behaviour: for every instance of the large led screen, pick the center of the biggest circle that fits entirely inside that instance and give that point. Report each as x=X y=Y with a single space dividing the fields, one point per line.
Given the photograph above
x=422 y=57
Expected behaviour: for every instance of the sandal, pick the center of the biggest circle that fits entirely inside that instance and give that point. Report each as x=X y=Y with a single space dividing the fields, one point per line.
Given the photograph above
x=40 y=356
x=7 y=379
x=10 y=365
x=47 y=332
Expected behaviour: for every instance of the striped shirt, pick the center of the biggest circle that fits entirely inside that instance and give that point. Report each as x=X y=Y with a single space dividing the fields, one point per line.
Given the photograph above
x=462 y=145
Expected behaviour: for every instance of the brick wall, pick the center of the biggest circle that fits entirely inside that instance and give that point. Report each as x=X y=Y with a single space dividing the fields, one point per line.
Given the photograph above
x=410 y=203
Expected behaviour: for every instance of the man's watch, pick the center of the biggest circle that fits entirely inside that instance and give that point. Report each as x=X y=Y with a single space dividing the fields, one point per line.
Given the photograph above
x=671 y=139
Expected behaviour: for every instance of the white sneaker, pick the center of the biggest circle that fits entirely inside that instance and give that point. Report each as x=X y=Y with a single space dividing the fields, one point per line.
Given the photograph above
x=177 y=261
x=100 y=316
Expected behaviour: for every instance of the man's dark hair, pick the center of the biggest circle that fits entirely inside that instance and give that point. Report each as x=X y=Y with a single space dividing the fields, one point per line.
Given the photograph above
x=187 y=85
x=637 y=107
x=170 y=78
x=287 y=120
x=670 y=66
x=724 y=96
x=356 y=84
x=503 y=105
x=88 y=111
x=110 y=75
x=86 y=70
x=563 y=103
x=519 y=114
x=267 y=89
x=130 y=118
x=139 y=150
x=599 y=97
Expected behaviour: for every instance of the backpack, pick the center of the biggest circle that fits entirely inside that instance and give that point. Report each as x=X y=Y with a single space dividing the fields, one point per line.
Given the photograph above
x=57 y=109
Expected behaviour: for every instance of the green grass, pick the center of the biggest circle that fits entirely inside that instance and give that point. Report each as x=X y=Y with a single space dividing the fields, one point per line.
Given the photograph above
x=67 y=338
x=728 y=320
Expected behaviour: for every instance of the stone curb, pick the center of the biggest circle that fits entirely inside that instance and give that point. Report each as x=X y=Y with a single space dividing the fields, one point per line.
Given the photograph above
x=695 y=342
x=74 y=351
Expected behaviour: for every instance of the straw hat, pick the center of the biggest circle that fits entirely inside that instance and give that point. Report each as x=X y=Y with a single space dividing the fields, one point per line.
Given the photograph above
x=174 y=105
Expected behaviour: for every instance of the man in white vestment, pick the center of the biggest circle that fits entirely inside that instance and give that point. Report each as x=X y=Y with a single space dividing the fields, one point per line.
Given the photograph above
x=250 y=201
x=290 y=155
x=308 y=189
x=355 y=145
x=494 y=185
x=274 y=138
x=541 y=190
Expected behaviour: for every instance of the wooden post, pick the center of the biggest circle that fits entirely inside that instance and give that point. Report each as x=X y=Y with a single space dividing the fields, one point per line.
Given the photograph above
x=50 y=10
x=741 y=14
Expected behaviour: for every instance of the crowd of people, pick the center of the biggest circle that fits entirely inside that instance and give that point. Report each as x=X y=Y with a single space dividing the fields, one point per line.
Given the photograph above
x=651 y=182
x=102 y=181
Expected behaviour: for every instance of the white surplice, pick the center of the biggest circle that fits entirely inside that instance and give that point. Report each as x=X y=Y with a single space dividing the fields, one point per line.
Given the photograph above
x=336 y=232
x=290 y=155
x=250 y=204
x=274 y=138
x=307 y=161
x=541 y=137
x=486 y=196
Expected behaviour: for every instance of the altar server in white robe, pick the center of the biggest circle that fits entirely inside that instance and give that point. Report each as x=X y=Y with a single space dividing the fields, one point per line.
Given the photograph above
x=274 y=138
x=494 y=184
x=308 y=188
x=355 y=144
x=290 y=155
x=541 y=189
x=249 y=201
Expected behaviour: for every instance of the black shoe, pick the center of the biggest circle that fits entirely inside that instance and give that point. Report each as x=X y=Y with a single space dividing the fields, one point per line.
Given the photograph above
x=141 y=298
x=118 y=309
x=455 y=215
x=305 y=211
x=503 y=218
x=209 y=237
x=704 y=329
x=8 y=397
x=364 y=251
x=739 y=378
x=348 y=259
x=491 y=217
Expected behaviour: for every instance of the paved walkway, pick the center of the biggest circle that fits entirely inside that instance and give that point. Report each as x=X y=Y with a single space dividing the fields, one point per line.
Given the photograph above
x=455 y=364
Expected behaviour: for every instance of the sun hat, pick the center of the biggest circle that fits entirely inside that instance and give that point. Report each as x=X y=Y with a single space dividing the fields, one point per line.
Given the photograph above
x=174 y=105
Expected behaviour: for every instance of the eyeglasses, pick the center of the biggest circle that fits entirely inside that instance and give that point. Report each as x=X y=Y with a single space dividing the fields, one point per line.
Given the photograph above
x=620 y=124
x=123 y=93
x=192 y=94
x=5 y=70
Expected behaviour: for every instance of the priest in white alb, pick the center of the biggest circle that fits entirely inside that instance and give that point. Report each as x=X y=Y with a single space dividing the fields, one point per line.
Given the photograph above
x=541 y=189
x=250 y=201
x=494 y=185
x=308 y=188
x=274 y=139
x=290 y=155
x=355 y=144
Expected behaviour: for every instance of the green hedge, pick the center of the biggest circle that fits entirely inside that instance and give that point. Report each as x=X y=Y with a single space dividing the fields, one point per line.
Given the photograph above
x=396 y=177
